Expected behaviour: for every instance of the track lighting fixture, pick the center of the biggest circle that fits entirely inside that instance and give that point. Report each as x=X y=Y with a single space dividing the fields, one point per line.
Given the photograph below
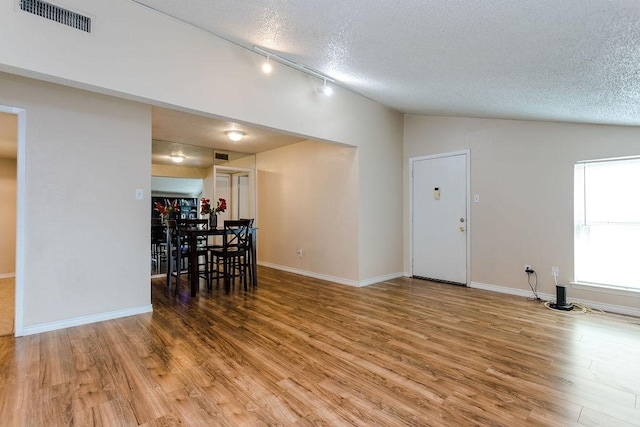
x=267 y=67
x=324 y=89
x=235 y=135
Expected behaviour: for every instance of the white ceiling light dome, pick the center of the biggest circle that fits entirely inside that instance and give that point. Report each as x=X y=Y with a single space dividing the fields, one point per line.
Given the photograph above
x=235 y=135
x=177 y=158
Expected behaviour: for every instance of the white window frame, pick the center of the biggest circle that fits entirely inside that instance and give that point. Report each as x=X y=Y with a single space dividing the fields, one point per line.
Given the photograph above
x=581 y=216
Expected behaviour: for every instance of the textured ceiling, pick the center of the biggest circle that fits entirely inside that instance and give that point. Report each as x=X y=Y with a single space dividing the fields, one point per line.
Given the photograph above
x=195 y=137
x=570 y=60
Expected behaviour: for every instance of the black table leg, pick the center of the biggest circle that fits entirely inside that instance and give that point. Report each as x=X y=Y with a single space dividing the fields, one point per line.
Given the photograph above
x=193 y=263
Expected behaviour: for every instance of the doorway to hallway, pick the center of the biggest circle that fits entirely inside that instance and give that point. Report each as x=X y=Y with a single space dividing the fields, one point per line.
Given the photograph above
x=10 y=250
x=237 y=187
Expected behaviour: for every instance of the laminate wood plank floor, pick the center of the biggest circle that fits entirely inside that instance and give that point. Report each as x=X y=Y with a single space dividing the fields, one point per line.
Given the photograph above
x=7 y=306
x=298 y=351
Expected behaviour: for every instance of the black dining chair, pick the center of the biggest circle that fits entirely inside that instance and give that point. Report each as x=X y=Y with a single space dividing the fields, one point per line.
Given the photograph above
x=250 y=252
x=195 y=223
x=158 y=244
x=178 y=252
x=192 y=222
x=233 y=255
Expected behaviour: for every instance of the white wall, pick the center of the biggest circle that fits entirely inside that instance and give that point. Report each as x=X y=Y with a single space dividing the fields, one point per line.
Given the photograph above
x=136 y=53
x=7 y=216
x=523 y=172
x=308 y=200
x=86 y=237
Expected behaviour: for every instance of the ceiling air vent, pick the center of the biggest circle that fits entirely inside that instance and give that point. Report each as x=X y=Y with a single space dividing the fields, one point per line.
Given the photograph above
x=221 y=156
x=58 y=14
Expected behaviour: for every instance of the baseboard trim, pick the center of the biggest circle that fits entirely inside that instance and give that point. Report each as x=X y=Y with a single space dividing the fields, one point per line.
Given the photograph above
x=329 y=278
x=511 y=291
x=319 y=276
x=610 y=308
x=379 y=279
x=7 y=275
x=84 y=320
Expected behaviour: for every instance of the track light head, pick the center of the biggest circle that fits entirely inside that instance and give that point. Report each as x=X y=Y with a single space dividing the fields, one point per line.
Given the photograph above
x=267 y=67
x=324 y=89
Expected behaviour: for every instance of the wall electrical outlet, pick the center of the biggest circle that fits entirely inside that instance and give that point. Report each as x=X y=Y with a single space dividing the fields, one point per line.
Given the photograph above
x=555 y=271
x=527 y=267
x=299 y=253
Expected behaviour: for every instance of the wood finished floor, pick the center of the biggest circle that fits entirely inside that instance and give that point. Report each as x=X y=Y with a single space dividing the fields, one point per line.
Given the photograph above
x=298 y=351
x=7 y=306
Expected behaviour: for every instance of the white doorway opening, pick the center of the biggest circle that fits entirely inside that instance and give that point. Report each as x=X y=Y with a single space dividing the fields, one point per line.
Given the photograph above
x=20 y=216
x=238 y=187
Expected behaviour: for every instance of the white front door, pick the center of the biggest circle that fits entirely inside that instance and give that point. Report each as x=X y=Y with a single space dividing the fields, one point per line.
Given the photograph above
x=439 y=218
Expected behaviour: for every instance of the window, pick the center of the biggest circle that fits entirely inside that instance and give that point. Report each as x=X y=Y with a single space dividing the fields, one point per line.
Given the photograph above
x=607 y=222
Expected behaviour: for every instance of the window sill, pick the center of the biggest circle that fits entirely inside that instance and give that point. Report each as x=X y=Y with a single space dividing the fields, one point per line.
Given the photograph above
x=607 y=289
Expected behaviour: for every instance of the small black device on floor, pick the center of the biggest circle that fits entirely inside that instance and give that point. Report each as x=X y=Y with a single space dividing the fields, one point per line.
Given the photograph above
x=561 y=299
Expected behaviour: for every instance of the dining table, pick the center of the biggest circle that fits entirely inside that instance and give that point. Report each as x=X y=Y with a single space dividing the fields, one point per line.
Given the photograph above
x=193 y=234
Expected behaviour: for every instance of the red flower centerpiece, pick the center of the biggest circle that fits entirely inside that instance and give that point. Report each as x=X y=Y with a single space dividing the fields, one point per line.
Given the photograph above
x=207 y=209
x=168 y=210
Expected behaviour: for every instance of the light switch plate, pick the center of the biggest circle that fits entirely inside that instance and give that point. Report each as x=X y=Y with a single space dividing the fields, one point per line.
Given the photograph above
x=139 y=194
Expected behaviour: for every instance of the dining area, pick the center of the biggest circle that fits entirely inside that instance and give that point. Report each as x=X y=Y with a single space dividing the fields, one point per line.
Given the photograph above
x=195 y=251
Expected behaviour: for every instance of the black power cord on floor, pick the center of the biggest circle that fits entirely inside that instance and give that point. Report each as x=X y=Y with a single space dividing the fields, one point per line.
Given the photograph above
x=534 y=286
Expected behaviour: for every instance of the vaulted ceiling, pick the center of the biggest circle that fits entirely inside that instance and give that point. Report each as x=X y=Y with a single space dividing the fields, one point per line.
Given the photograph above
x=571 y=60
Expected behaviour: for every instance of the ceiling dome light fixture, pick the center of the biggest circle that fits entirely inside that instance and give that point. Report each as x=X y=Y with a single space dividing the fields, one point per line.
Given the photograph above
x=235 y=135
x=325 y=90
x=267 y=67
x=176 y=158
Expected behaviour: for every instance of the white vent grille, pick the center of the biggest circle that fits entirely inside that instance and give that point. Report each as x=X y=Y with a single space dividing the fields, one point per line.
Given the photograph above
x=58 y=14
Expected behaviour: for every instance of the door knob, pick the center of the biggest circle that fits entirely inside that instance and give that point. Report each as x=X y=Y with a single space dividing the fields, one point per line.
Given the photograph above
x=461 y=229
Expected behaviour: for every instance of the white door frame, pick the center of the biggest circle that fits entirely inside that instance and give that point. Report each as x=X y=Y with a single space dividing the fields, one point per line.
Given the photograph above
x=253 y=186
x=412 y=160
x=21 y=212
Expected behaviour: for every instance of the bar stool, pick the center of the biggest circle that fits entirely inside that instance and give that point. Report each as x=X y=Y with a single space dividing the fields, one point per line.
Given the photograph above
x=233 y=253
